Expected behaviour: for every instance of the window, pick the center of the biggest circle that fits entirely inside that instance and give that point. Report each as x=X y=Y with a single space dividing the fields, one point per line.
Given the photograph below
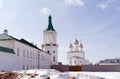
x=23 y=67
x=53 y=51
x=41 y=57
x=80 y=61
x=33 y=55
x=74 y=61
x=36 y=56
x=30 y=66
x=69 y=62
x=53 y=58
x=30 y=54
x=27 y=54
x=23 y=53
x=27 y=67
x=18 y=52
x=33 y=66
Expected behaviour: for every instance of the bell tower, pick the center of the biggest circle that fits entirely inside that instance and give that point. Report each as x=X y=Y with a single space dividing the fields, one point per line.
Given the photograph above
x=50 y=42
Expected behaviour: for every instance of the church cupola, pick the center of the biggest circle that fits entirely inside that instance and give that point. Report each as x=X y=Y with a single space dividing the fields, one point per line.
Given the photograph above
x=50 y=26
x=76 y=45
x=81 y=46
x=71 y=47
x=5 y=31
x=75 y=42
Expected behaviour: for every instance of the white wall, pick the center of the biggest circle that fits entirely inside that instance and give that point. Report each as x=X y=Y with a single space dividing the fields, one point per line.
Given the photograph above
x=79 y=54
x=7 y=61
x=49 y=37
x=77 y=61
x=27 y=56
x=51 y=50
x=44 y=60
x=30 y=59
x=27 y=59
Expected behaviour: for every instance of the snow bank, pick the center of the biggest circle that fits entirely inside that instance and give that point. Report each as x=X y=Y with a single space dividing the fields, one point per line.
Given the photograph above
x=54 y=74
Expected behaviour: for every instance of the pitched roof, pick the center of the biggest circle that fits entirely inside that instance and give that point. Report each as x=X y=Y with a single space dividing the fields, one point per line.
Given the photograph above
x=28 y=43
x=8 y=37
x=7 y=50
x=5 y=37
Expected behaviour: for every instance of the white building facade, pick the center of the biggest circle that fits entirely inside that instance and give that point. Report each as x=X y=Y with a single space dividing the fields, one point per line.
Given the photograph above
x=76 y=55
x=18 y=54
x=50 y=42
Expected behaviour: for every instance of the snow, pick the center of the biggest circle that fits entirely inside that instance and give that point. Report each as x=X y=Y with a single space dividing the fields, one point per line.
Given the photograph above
x=54 y=74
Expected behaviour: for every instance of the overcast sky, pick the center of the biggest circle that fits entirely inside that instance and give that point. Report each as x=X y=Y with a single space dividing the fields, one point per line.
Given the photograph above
x=95 y=22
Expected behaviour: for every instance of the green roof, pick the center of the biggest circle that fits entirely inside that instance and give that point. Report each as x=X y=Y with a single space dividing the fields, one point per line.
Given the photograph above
x=7 y=50
x=50 y=26
x=28 y=43
x=8 y=37
x=5 y=37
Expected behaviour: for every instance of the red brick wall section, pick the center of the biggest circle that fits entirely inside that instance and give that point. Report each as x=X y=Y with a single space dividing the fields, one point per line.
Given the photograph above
x=75 y=68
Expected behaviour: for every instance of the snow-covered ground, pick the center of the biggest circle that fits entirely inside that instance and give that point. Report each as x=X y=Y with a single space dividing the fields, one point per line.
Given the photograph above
x=54 y=74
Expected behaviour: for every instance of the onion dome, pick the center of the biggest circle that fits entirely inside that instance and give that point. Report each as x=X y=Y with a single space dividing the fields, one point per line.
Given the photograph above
x=5 y=31
x=76 y=42
x=70 y=46
x=81 y=45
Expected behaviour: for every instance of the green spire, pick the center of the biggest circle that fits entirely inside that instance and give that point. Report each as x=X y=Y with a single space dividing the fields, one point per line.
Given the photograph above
x=50 y=26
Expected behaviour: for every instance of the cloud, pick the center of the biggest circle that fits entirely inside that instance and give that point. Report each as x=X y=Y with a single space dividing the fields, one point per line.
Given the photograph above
x=74 y=2
x=45 y=11
x=105 y=4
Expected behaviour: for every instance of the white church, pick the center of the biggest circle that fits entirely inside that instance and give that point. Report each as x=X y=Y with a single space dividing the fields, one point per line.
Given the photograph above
x=19 y=54
x=76 y=55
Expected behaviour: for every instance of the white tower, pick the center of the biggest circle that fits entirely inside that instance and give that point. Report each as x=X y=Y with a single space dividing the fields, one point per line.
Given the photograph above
x=50 y=42
x=76 y=55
